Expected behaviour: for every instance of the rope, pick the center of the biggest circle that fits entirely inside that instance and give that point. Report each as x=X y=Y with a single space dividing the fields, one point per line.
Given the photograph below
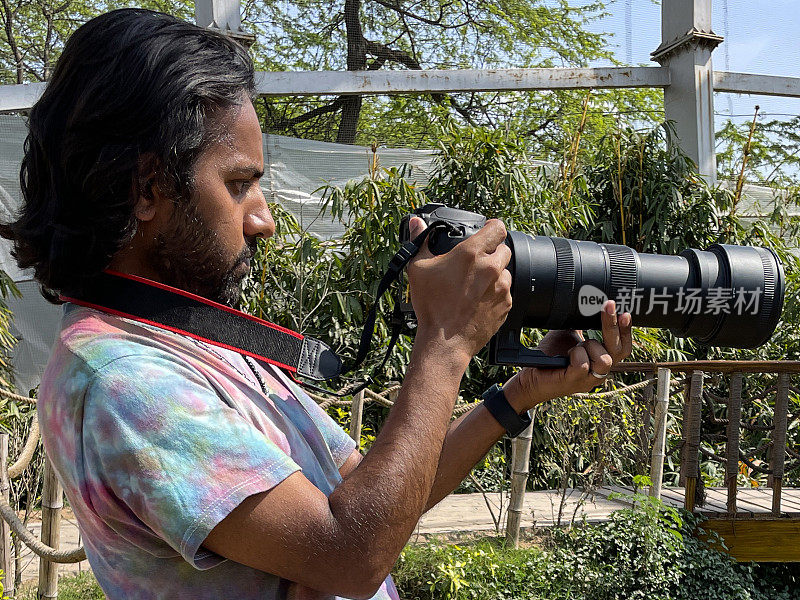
x=16 y=397
x=28 y=451
x=44 y=551
x=382 y=397
x=618 y=392
x=464 y=408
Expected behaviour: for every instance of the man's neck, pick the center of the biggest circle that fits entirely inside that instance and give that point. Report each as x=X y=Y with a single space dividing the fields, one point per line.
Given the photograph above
x=132 y=263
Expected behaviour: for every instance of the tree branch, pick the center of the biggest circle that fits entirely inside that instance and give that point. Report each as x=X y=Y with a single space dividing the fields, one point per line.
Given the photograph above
x=438 y=21
x=390 y=54
x=320 y=110
x=8 y=23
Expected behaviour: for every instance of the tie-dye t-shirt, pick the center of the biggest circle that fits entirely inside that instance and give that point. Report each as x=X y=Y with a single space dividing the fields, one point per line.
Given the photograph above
x=157 y=437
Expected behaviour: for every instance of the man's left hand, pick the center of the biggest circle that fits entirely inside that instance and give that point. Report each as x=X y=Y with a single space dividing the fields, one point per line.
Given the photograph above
x=590 y=362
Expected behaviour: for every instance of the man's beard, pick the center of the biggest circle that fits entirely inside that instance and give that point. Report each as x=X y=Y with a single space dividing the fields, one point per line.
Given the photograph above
x=188 y=257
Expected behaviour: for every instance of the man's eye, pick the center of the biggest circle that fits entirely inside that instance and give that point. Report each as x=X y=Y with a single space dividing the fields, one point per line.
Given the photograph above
x=239 y=187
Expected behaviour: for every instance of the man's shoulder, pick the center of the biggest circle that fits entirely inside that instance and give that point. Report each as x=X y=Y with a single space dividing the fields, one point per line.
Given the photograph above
x=98 y=353
x=93 y=344
x=97 y=339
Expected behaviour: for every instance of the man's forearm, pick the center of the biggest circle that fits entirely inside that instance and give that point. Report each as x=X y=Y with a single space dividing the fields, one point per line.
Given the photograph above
x=468 y=439
x=392 y=484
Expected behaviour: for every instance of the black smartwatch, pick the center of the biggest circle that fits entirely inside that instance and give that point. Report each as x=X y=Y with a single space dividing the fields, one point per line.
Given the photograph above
x=494 y=399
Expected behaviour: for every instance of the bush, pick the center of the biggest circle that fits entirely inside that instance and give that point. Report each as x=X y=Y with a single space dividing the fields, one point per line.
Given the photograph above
x=647 y=552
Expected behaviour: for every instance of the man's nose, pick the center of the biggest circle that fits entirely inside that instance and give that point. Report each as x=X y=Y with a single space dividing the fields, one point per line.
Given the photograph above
x=258 y=221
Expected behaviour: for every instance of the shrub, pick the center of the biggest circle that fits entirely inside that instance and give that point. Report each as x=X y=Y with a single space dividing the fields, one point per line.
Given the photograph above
x=647 y=552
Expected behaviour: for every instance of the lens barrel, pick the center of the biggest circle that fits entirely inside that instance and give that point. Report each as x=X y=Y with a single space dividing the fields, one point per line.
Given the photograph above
x=726 y=295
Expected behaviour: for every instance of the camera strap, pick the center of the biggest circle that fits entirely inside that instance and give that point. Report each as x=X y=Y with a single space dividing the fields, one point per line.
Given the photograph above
x=159 y=305
x=400 y=260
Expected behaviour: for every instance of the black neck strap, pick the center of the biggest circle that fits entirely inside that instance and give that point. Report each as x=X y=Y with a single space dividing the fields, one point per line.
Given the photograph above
x=175 y=310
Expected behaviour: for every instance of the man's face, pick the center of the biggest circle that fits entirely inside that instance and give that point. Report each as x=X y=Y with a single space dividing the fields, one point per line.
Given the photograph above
x=206 y=244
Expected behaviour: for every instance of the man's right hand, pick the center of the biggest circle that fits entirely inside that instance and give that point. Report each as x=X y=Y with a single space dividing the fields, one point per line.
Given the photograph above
x=461 y=298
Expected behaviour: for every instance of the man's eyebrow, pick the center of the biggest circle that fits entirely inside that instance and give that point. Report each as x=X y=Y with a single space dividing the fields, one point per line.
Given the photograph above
x=249 y=172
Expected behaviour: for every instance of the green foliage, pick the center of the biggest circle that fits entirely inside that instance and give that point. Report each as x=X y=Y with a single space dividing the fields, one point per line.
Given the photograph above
x=490 y=172
x=312 y=35
x=342 y=417
x=586 y=443
x=649 y=551
x=7 y=341
x=34 y=31
x=326 y=288
x=774 y=155
x=82 y=586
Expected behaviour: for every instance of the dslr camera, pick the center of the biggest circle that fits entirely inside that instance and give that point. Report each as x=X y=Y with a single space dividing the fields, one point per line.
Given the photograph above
x=726 y=295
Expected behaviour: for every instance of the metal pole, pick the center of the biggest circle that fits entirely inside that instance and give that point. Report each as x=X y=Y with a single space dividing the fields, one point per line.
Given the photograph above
x=224 y=16
x=686 y=47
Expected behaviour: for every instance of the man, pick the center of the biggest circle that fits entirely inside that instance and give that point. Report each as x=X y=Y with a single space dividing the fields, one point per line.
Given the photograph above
x=193 y=472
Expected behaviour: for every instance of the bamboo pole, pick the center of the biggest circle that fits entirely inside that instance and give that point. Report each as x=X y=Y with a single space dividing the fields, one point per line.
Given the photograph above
x=356 y=417
x=521 y=452
x=660 y=428
x=5 y=530
x=778 y=454
x=52 y=502
x=684 y=430
x=690 y=460
x=646 y=413
x=745 y=156
x=732 y=442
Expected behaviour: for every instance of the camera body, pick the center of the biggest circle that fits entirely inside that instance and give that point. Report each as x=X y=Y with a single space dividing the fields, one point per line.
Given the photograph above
x=726 y=295
x=505 y=347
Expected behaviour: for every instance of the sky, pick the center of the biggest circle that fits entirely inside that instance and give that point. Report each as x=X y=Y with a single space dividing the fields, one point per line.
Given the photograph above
x=760 y=37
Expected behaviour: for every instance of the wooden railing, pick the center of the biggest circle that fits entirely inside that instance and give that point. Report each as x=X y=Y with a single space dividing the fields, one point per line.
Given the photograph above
x=691 y=435
x=771 y=524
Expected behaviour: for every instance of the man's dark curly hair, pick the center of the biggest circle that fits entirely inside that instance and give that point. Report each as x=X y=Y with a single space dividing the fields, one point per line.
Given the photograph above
x=131 y=87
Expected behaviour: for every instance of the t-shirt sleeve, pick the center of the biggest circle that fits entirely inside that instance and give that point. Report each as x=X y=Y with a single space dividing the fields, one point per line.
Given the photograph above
x=168 y=447
x=340 y=443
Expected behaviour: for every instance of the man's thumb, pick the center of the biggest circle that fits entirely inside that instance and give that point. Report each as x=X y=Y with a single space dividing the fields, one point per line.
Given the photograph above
x=415 y=227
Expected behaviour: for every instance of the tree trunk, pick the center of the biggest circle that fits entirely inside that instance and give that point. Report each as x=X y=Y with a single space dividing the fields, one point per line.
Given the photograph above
x=12 y=40
x=356 y=61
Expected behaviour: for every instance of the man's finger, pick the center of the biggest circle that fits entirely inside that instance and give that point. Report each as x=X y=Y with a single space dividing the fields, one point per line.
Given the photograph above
x=625 y=336
x=599 y=358
x=415 y=227
x=490 y=236
x=611 y=336
x=579 y=364
x=501 y=256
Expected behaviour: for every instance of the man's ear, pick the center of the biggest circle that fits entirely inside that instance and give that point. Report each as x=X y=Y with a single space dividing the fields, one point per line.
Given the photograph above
x=149 y=199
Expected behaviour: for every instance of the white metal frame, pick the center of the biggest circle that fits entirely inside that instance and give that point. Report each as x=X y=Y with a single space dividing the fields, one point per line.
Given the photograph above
x=686 y=76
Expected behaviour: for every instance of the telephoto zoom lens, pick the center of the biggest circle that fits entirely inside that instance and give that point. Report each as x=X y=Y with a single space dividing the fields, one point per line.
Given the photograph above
x=726 y=295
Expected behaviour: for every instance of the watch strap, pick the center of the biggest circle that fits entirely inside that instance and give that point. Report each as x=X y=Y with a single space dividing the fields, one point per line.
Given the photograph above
x=494 y=399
